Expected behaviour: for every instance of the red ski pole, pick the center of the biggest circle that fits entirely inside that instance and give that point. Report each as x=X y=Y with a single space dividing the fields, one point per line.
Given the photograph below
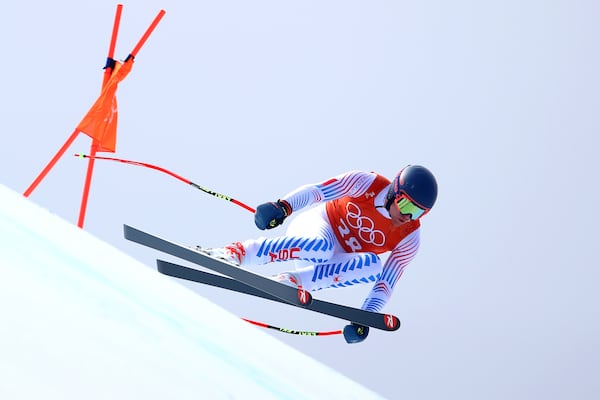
x=293 y=331
x=174 y=175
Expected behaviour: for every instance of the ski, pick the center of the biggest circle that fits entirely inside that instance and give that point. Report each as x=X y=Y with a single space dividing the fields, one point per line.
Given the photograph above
x=288 y=294
x=362 y=317
x=207 y=278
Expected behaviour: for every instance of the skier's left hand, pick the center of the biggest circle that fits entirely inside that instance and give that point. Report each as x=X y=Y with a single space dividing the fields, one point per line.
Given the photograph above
x=355 y=333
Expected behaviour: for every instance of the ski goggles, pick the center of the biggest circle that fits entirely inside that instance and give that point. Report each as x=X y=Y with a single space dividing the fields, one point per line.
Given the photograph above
x=409 y=207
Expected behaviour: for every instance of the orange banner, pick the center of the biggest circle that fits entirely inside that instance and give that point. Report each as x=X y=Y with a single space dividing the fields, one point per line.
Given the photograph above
x=100 y=122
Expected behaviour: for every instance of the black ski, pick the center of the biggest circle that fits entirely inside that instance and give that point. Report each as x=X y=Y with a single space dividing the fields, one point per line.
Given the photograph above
x=287 y=294
x=375 y=320
x=207 y=278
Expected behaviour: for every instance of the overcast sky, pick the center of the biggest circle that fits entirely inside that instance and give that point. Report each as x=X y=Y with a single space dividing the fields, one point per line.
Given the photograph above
x=255 y=98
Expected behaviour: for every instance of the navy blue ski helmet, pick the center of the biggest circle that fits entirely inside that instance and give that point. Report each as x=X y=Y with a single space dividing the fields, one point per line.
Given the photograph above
x=414 y=189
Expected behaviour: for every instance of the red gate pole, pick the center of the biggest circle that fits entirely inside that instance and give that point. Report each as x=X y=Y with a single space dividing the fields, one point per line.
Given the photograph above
x=94 y=146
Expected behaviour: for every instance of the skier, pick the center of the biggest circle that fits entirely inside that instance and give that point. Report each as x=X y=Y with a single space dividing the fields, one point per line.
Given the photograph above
x=358 y=215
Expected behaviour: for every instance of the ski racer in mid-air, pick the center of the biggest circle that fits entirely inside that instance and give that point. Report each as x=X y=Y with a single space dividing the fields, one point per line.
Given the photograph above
x=357 y=216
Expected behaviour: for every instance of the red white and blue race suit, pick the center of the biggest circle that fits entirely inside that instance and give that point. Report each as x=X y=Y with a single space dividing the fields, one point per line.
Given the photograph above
x=337 y=242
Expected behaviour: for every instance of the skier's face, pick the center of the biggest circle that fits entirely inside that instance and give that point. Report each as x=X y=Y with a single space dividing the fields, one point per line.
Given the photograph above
x=397 y=217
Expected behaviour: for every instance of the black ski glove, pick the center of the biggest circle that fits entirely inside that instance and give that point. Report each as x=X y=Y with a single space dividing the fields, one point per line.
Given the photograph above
x=270 y=215
x=355 y=333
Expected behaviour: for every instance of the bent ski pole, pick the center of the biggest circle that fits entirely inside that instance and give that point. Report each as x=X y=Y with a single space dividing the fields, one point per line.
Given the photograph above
x=174 y=175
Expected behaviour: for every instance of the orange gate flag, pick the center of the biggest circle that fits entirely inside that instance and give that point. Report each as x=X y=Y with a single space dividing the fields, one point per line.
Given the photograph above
x=100 y=122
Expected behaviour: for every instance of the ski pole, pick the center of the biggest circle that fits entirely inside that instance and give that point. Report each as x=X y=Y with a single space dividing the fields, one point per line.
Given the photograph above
x=292 y=331
x=174 y=175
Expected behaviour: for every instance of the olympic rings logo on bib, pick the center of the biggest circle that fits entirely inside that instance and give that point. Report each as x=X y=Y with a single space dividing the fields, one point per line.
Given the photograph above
x=364 y=226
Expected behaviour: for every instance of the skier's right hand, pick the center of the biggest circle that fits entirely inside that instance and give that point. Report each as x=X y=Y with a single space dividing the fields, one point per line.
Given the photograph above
x=269 y=215
x=355 y=333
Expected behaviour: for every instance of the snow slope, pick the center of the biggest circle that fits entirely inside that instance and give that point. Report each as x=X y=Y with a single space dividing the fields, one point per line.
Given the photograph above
x=81 y=319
